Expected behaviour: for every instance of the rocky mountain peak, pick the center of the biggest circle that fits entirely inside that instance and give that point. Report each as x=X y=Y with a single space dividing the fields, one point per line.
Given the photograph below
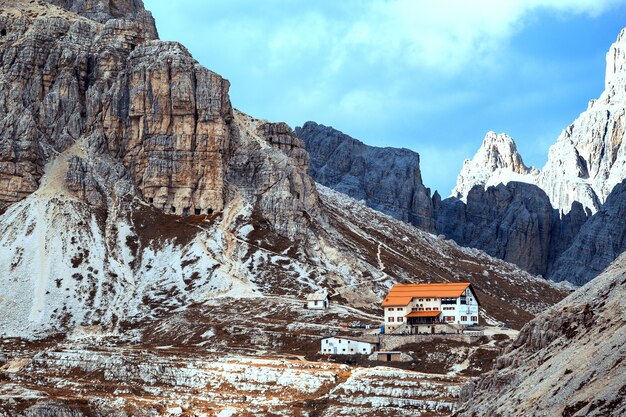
x=497 y=160
x=103 y=11
x=387 y=179
x=589 y=159
x=616 y=63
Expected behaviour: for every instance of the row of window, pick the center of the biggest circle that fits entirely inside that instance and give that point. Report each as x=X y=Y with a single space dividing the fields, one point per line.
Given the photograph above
x=424 y=308
x=463 y=318
x=445 y=318
x=399 y=309
x=343 y=350
x=448 y=308
x=391 y=319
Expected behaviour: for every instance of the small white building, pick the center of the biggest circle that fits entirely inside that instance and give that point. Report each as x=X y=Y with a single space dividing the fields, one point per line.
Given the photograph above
x=318 y=300
x=419 y=304
x=340 y=345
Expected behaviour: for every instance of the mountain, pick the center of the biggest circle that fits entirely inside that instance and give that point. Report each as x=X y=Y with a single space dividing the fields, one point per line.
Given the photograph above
x=600 y=241
x=584 y=165
x=514 y=222
x=568 y=361
x=528 y=217
x=387 y=179
x=497 y=161
x=131 y=190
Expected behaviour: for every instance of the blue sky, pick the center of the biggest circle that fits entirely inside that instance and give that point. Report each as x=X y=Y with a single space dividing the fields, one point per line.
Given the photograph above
x=431 y=76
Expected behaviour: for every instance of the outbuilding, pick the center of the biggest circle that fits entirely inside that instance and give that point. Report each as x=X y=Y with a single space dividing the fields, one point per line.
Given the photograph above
x=388 y=356
x=318 y=300
x=341 y=345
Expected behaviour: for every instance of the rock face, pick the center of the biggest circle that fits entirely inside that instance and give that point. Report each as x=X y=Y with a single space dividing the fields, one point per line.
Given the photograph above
x=131 y=189
x=568 y=361
x=387 y=179
x=601 y=240
x=497 y=161
x=104 y=10
x=589 y=158
x=514 y=222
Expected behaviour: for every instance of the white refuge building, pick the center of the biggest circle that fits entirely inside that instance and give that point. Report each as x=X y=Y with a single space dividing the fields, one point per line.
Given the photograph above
x=340 y=345
x=318 y=300
x=419 y=304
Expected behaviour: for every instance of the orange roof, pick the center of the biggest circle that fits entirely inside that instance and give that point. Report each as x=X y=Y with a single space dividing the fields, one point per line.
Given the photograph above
x=434 y=313
x=402 y=294
x=397 y=301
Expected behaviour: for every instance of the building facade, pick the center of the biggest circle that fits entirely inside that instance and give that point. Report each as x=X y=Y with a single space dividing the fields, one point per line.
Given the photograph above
x=318 y=301
x=415 y=304
x=338 y=345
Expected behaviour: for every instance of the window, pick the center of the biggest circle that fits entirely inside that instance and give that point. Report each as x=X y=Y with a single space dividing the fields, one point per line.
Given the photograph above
x=390 y=319
x=390 y=309
x=449 y=318
x=428 y=308
x=421 y=299
x=463 y=318
x=343 y=350
x=400 y=319
x=363 y=349
x=351 y=350
x=414 y=309
x=428 y=299
x=474 y=318
x=326 y=341
x=421 y=309
x=315 y=302
x=399 y=309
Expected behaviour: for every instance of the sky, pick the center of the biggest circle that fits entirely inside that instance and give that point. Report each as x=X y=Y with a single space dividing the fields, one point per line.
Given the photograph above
x=430 y=76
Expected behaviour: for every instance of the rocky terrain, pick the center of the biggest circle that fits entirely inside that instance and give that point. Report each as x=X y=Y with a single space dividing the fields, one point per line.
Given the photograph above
x=73 y=380
x=568 y=361
x=156 y=242
x=387 y=179
x=514 y=222
x=600 y=240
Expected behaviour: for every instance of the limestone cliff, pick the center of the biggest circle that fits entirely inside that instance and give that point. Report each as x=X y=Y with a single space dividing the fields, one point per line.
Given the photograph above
x=387 y=179
x=600 y=241
x=497 y=161
x=514 y=222
x=568 y=361
x=589 y=157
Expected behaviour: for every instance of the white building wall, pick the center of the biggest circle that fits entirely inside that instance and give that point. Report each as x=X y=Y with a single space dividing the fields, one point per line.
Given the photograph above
x=317 y=304
x=339 y=346
x=466 y=314
x=394 y=316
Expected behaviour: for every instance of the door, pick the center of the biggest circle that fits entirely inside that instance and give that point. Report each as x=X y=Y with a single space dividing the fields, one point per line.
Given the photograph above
x=334 y=350
x=432 y=329
x=389 y=357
